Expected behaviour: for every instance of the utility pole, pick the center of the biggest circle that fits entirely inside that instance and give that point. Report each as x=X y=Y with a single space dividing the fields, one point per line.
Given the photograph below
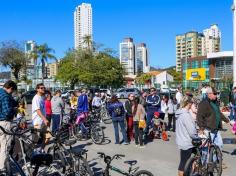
x=234 y=43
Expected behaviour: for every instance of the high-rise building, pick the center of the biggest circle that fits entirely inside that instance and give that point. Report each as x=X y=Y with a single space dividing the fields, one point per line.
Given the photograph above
x=212 y=39
x=195 y=44
x=141 y=59
x=52 y=69
x=82 y=24
x=127 y=56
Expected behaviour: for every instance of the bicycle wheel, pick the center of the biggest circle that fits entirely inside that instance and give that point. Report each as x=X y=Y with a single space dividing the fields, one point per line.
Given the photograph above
x=59 y=161
x=193 y=167
x=106 y=118
x=143 y=173
x=215 y=161
x=97 y=134
x=84 y=168
x=78 y=134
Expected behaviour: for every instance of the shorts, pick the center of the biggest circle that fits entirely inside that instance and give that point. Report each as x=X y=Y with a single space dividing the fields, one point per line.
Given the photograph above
x=184 y=156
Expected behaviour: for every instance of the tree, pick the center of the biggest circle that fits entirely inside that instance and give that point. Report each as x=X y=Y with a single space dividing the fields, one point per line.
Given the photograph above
x=87 y=40
x=44 y=53
x=144 y=78
x=12 y=55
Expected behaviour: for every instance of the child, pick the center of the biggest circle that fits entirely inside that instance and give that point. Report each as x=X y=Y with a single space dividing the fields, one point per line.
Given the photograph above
x=159 y=127
x=21 y=113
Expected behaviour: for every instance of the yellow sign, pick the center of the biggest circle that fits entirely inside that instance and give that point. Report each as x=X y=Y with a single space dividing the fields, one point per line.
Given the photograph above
x=197 y=74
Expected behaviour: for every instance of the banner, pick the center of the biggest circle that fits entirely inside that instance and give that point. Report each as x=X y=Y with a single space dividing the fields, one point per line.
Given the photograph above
x=197 y=74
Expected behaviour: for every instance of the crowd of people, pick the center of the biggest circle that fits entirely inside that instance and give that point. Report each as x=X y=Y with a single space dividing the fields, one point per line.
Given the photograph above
x=140 y=118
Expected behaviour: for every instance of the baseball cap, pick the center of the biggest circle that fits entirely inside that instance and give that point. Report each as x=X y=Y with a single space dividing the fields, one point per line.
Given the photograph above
x=156 y=113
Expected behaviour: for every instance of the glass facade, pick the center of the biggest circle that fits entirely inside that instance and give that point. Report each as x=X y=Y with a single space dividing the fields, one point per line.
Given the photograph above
x=223 y=68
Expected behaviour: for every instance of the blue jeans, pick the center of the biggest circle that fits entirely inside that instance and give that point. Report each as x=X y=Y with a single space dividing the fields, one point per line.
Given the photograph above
x=56 y=119
x=123 y=131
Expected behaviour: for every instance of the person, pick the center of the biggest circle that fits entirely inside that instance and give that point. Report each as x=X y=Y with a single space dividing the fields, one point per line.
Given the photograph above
x=178 y=97
x=153 y=105
x=129 y=116
x=185 y=131
x=203 y=92
x=97 y=101
x=233 y=105
x=117 y=112
x=142 y=99
x=39 y=119
x=164 y=107
x=171 y=114
x=138 y=116
x=209 y=117
x=48 y=107
x=21 y=111
x=73 y=100
x=159 y=127
x=8 y=108
x=57 y=109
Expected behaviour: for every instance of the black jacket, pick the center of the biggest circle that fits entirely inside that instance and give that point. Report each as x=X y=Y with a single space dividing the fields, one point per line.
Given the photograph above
x=206 y=116
x=128 y=108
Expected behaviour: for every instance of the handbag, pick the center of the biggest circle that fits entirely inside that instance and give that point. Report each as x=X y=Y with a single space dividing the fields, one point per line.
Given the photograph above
x=142 y=124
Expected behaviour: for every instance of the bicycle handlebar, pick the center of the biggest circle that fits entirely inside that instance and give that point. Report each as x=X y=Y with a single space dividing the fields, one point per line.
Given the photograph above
x=116 y=156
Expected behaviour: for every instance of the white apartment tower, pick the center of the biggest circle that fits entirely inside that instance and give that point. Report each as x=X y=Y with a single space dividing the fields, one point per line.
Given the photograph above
x=212 y=39
x=141 y=59
x=82 y=24
x=127 y=56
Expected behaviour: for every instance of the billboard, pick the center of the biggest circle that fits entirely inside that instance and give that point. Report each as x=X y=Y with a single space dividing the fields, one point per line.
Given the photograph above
x=197 y=74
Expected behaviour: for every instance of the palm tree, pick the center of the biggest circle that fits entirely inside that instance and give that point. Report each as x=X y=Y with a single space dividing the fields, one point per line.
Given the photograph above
x=88 y=41
x=44 y=53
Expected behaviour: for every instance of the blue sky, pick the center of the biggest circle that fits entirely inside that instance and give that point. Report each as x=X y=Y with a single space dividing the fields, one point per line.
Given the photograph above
x=155 y=22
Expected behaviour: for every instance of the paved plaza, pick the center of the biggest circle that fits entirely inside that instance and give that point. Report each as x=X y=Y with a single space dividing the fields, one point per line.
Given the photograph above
x=159 y=157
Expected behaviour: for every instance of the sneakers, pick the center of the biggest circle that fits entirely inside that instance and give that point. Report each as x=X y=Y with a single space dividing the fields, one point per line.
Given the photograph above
x=142 y=146
x=126 y=143
x=136 y=145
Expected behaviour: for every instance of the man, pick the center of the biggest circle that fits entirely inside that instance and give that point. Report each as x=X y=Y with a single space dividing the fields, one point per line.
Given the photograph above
x=209 y=116
x=129 y=116
x=97 y=101
x=233 y=104
x=57 y=108
x=39 y=115
x=179 y=97
x=153 y=105
x=7 y=113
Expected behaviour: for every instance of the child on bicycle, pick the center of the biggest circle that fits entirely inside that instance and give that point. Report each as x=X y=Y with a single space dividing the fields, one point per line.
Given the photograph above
x=20 y=117
x=159 y=127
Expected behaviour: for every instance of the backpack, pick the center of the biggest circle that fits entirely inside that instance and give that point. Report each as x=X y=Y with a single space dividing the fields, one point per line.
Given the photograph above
x=117 y=111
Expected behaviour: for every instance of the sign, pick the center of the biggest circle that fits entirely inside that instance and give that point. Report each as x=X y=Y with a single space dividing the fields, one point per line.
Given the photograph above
x=197 y=74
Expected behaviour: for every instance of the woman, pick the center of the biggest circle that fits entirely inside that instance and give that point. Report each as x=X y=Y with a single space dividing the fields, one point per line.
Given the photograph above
x=117 y=112
x=185 y=131
x=48 y=107
x=164 y=106
x=171 y=114
x=138 y=115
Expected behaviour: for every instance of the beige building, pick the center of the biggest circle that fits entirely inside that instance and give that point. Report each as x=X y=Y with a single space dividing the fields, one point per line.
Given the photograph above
x=52 y=69
x=195 y=44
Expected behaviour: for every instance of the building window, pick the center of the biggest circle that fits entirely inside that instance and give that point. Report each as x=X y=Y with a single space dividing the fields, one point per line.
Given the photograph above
x=204 y=64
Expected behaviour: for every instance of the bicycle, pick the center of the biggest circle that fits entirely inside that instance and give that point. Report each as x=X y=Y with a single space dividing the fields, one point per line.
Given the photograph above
x=105 y=116
x=69 y=162
x=130 y=172
x=30 y=164
x=205 y=163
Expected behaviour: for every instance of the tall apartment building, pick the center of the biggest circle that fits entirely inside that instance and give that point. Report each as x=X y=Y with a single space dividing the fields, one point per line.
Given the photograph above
x=82 y=24
x=195 y=44
x=52 y=69
x=127 y=56
x=141 y=59
x=30 y=69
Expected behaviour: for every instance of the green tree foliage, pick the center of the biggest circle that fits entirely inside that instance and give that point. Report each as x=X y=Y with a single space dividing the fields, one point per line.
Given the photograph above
x=83 y=66
x=143 y=78
x=12 y=56
x=177 y=75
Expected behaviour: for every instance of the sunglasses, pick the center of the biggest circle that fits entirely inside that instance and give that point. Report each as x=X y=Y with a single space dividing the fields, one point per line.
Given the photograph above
x=42 y=88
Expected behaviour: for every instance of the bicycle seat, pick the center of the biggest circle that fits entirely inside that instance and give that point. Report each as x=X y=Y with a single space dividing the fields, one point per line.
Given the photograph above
x=131 y=163
x=70 y=142
x=41 y=159
x=196 y=142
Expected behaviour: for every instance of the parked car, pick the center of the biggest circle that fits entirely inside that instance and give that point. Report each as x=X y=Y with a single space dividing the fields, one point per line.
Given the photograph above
x=29 y=95
x=124 y=92
x=173 y=90
x=165 y=89
x=66 y=94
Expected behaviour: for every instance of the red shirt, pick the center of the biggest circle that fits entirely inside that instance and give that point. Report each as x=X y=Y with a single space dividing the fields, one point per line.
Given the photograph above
x=48 y=107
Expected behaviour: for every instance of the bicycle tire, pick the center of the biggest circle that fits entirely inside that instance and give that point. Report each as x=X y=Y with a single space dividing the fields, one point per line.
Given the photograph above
x=188 y=169
x=79 y=136
x=106 y=117
x=84 y=168
x=97 y=134
x=216 y=154
x=58 y=158
x=143 y=173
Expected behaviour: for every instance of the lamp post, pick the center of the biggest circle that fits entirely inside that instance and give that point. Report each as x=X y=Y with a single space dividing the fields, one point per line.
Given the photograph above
x=234 y=43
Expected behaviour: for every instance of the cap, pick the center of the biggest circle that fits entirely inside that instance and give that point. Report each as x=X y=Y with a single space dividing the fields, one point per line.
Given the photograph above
x=156 y=113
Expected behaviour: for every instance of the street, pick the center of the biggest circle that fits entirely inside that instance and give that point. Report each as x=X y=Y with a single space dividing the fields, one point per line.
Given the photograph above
x=159 y=157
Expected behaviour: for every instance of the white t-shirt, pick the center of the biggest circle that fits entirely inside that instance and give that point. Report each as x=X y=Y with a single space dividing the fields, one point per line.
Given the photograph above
x=204 y=90
x=178 y=97
x=38 y=103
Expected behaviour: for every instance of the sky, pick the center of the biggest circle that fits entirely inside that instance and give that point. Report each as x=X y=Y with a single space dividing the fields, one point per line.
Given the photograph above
x=154 y=22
